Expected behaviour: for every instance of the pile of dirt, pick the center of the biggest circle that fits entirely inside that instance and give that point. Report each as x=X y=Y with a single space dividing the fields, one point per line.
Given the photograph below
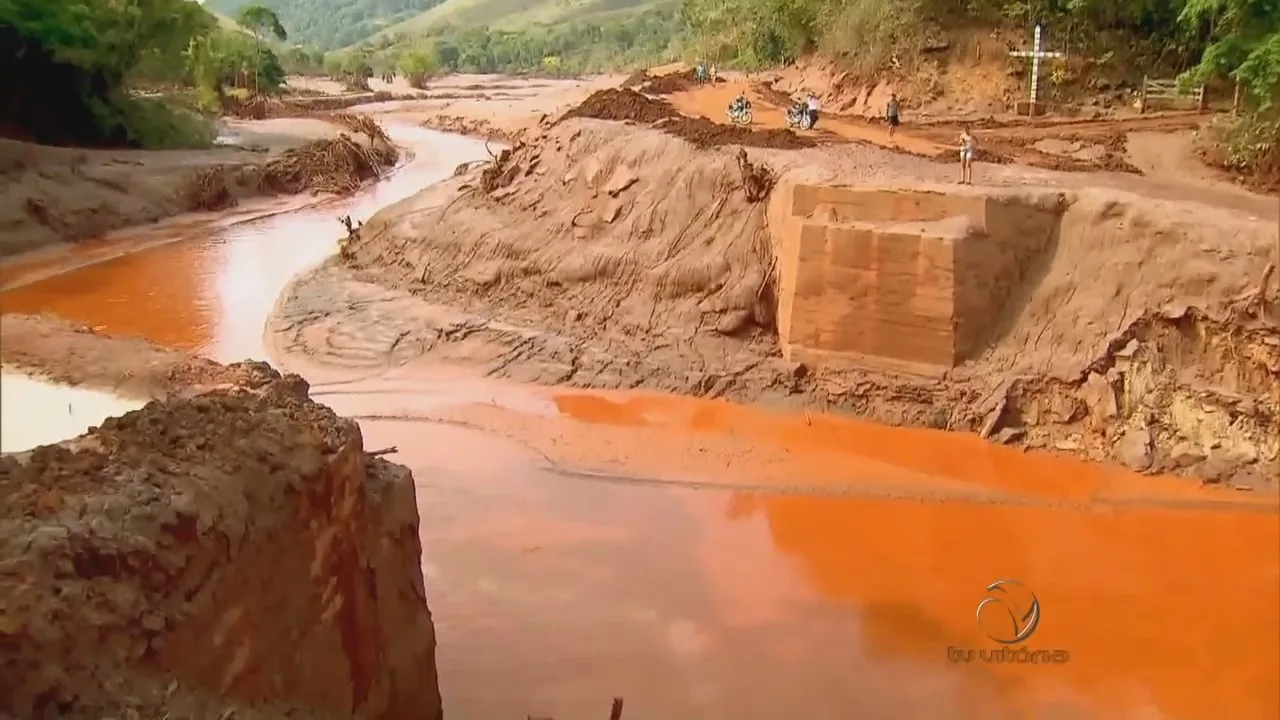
x=622 y=104
x=704 y=133
x=628 y=105
x=672 y=83
x=233 y=552
x=632 y=227
x=635 y=80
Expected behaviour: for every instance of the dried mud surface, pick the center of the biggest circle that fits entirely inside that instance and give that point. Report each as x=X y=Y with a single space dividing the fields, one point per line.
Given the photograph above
x=230 y=551
x=607 y=256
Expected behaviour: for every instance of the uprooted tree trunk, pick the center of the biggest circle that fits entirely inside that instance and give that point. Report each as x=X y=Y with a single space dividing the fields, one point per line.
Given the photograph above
x=757 y=180
x=1254 y=303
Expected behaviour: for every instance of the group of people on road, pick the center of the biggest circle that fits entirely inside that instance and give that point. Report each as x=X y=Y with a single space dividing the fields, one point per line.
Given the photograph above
x=893 y=117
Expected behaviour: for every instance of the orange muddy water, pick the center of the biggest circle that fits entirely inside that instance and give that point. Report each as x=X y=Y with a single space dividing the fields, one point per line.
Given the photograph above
x=708 y=560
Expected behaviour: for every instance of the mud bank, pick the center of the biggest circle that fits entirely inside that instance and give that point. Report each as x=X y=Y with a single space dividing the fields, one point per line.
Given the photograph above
x=75 y=355
x=616 y=257
x=59 y=195
x=229 y=550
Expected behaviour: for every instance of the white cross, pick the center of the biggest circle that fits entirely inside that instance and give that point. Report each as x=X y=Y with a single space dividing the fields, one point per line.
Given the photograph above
x=1036 y=54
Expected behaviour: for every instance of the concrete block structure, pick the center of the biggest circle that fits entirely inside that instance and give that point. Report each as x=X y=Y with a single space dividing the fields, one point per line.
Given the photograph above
x=900 y=279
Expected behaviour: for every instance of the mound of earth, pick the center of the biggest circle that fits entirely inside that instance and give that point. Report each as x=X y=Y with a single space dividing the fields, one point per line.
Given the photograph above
x=635 y=79
x=671 y=83
x=614 y=256
x=621 y=104
x=226 y=552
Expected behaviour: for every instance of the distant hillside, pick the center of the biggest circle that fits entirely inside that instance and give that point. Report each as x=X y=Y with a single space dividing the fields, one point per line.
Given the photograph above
x=330 y=24
x=225 y=22
x=515 y=14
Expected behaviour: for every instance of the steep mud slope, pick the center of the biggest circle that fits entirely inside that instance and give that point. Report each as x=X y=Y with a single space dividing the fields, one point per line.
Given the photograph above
x=639 y=242
x=230 y=553
x=1149 y=334
x=615 y=256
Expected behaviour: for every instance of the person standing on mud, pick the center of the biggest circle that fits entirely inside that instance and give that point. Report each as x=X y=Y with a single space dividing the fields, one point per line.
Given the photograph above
x=811 y=106
x=967 y=149
x=891 y=113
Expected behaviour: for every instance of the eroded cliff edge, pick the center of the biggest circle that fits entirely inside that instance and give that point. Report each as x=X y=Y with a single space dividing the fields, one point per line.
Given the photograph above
x=230 y=548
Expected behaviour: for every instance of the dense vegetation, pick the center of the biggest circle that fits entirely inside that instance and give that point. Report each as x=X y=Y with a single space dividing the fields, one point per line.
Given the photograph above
x=631 y=40
x=85 y=72
x=331 y=24
x=518 y=14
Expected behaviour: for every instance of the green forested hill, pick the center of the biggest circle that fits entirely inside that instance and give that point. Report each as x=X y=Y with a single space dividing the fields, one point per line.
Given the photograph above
x=330 y=24
x=515 y=14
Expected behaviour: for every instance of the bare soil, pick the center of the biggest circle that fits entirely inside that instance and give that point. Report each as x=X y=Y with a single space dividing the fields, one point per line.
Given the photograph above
x=57 y=195
x=127 y=366
x=609 y=255
x=629 y=105
x=228 y=551
x=494 y=107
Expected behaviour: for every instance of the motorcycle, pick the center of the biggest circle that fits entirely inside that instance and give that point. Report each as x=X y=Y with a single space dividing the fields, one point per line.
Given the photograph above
x=798 y=117
x=740 y=115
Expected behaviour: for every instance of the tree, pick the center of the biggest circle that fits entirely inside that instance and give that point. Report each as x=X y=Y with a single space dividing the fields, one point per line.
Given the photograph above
x=1245 y=44
x=261 y=21
x=417 y=66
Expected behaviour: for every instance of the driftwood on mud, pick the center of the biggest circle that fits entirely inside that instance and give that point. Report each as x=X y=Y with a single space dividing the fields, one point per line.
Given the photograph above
x=331 y=165
x=338 y=166
x=208 y=189
x=1253 y=303
x=500 y=172
x=757 y=180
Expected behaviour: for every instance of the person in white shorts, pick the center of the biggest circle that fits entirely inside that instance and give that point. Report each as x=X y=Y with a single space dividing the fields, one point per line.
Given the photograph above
x=968 y=147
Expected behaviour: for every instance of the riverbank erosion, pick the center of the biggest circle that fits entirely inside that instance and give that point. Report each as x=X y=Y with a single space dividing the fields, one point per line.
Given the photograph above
x=1046 y=310
x=230 y=549
x=51 y=195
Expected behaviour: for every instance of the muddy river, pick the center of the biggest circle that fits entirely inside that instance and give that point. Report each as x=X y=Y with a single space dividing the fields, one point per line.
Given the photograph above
x=706 y=560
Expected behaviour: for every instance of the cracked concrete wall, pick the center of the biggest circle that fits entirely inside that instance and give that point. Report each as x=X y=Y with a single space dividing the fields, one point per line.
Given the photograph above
x=232 y=550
